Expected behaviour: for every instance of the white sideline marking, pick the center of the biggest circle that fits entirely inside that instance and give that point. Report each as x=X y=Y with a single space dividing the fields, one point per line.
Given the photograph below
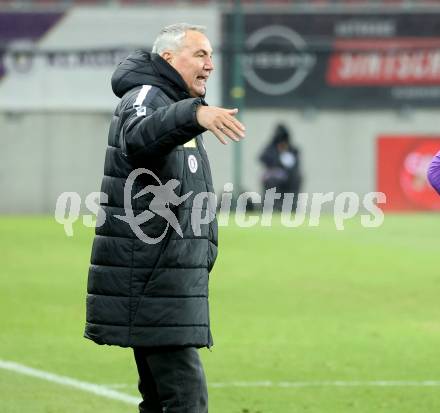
x=337 y=383
x=106 y=391
x=68 y=381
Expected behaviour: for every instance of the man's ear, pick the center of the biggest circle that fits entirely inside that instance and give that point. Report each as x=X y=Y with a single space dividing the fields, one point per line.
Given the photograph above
x=167 y=56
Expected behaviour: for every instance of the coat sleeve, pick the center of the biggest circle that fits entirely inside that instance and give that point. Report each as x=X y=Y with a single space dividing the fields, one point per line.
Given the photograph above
x=151 y=133
x=434 y=172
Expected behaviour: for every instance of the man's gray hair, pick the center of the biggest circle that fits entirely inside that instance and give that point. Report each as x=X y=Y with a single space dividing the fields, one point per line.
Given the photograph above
x=171 y=37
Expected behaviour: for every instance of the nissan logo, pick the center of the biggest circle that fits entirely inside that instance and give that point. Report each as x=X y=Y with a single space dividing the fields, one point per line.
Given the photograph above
x=292 y=59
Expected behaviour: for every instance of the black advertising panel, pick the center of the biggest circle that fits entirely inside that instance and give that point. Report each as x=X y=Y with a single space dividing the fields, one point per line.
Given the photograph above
x=337 y=60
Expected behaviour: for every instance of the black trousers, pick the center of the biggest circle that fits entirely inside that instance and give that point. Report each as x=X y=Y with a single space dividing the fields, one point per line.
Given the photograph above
x=171 y=380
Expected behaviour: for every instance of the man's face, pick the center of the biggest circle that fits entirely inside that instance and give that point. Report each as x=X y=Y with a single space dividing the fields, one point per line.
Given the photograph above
x=193 y=61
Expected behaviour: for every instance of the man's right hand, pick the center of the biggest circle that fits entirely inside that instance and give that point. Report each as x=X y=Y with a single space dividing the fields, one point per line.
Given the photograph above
x=221 y=122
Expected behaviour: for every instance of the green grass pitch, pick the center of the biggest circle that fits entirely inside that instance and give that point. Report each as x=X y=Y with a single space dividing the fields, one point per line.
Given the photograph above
x=302 y=305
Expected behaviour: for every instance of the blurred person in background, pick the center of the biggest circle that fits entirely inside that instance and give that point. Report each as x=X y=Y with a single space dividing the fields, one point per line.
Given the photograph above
x=434 y=172
x=281 y=160
x=153 y=297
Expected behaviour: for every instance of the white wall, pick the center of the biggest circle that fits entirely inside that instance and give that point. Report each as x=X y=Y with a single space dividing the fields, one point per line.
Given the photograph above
x=45 y=154
x=338 y=148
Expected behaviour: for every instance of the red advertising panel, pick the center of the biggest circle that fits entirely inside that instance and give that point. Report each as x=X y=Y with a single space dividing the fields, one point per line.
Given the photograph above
x=402 y=163
x=385 y=62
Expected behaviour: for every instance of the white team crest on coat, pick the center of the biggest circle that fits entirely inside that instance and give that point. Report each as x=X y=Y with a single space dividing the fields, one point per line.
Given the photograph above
x=192 y=163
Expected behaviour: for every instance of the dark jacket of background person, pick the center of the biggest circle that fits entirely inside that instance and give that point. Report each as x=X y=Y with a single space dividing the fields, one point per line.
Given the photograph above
x=434 y=172
x=142 y=294
x=282 y=163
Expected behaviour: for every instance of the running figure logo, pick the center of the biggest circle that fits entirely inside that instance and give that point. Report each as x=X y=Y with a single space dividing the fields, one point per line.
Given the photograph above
x=164 y=196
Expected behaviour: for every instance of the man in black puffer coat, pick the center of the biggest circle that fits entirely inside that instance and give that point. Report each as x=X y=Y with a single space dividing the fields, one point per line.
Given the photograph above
x=150 y=264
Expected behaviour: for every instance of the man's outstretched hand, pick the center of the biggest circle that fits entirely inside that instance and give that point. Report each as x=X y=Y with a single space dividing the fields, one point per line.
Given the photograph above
x=221 y=122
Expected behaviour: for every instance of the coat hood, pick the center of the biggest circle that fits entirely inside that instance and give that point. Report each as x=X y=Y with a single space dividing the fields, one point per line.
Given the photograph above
x=145 y=68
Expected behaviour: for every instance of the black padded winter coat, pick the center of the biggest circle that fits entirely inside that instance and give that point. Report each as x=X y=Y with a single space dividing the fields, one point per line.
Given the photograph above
x=143 y=293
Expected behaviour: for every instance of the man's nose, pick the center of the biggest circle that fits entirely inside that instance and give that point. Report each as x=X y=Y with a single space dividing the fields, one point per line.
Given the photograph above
x=209 y=64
